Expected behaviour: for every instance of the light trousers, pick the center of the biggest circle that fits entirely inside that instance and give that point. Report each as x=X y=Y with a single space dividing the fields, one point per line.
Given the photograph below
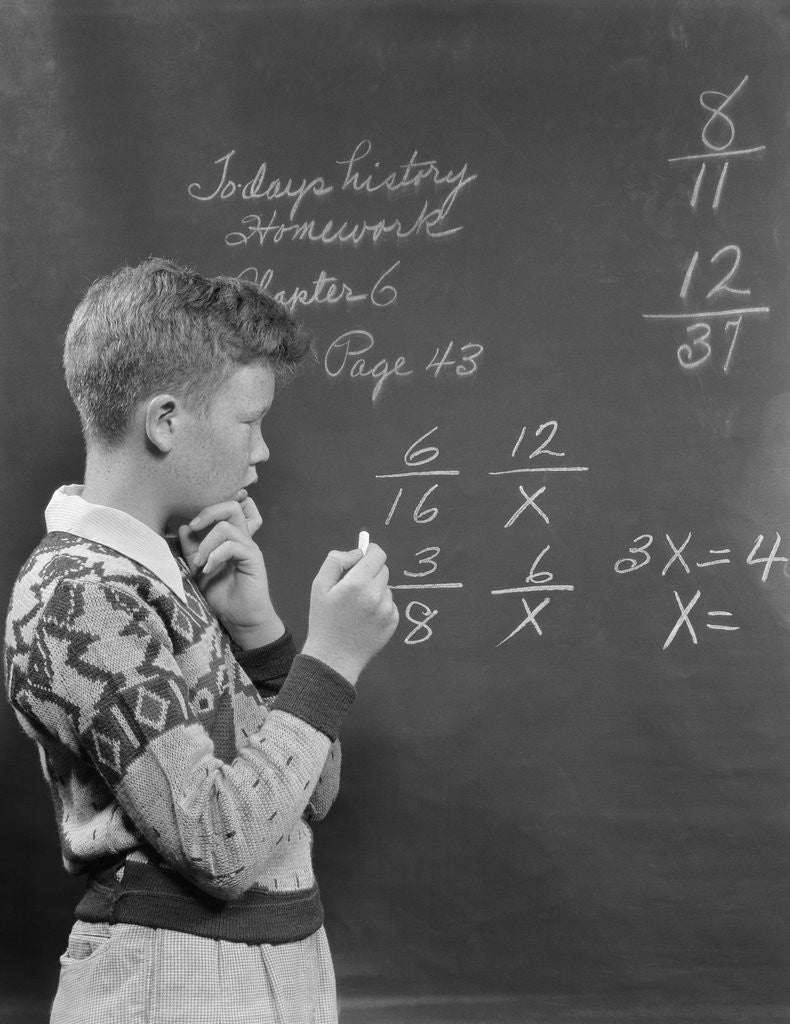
x=127 y=974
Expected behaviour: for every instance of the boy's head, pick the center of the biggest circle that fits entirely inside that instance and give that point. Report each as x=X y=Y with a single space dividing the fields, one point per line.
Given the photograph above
x=158 y=327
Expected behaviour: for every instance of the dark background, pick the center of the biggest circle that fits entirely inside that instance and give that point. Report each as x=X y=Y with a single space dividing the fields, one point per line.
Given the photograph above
x=576 y=823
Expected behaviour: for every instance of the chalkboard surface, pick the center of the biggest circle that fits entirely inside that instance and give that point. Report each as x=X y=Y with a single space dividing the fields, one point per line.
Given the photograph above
x=544 y=249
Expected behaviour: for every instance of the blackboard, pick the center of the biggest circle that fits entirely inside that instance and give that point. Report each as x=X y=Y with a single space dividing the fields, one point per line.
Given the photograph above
x=544 y=250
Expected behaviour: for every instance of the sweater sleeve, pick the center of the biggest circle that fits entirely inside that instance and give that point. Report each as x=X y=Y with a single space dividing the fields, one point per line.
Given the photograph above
x=327 y=787
x=111 y=661
x=268 y=667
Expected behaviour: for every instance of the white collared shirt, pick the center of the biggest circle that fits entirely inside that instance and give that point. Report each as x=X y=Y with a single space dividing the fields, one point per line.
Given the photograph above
x=69 y=512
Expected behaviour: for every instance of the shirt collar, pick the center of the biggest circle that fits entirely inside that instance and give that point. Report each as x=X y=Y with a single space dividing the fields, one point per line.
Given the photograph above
x=68 y=511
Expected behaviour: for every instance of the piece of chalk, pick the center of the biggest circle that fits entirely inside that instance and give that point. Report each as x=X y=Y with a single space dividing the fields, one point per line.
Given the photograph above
x=364 y=540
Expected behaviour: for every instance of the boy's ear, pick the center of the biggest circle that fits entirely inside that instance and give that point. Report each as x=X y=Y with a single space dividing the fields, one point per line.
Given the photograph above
x=162 y=420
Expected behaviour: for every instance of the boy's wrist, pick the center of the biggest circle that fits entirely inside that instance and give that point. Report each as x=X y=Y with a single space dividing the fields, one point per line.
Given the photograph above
x=248 y=638
x=344 y=666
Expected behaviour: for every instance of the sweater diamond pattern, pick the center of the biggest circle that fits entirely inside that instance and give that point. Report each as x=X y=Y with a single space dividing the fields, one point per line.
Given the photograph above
x=152 y=737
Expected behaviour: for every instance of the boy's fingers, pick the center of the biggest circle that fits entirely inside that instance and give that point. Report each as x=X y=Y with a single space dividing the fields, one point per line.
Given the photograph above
x=225 y=552
x=382 y=576
x=189 y=542
x=219 y=534
x=336 y=565
x=372 y=561
x=250 y=510
x=223 y=511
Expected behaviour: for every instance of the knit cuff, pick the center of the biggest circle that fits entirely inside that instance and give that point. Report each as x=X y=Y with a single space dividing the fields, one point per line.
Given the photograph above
x=317 y=694
x=268 y=666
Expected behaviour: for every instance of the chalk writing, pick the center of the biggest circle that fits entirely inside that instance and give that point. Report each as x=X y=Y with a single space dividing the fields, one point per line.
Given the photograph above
x=718 y=118
x=467 y=365
x=681 y=559
x=530 y=501
x=530 y=619
x=428 y=223
x=326 y=289
x=410 y=176
x=341 y=206
x=420 y=461
x=431 y=555
x=537 y=580
x=767 y=561
x=362 y=178
x=719 y=125
x=422 y=631
x=258 y=188
x=550 y=427
x=704 y=338
x=420 y=514
x=684 y=620
x=352 y=354
x=642 y=551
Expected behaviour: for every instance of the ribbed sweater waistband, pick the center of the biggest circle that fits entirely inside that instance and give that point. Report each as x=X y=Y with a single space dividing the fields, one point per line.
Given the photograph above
x=158 y=898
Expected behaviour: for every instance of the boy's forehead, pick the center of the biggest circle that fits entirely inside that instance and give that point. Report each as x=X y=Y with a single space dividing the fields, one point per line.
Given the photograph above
x=251 y=385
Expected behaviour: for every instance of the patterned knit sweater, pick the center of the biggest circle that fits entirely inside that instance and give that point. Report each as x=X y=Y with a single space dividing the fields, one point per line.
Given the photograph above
x=184 y=772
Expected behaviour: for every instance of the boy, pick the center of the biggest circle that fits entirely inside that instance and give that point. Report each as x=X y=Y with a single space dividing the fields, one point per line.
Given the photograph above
x=187 y=746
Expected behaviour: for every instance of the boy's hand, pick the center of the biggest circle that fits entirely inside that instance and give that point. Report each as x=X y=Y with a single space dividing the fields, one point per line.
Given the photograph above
x=352 y=614
x=229 y=569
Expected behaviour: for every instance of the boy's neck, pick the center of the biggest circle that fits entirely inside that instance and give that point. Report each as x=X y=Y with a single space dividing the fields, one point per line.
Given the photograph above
x=114 y=478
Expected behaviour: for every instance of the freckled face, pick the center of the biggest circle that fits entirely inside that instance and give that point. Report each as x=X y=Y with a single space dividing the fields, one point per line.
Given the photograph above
x=218 y=449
